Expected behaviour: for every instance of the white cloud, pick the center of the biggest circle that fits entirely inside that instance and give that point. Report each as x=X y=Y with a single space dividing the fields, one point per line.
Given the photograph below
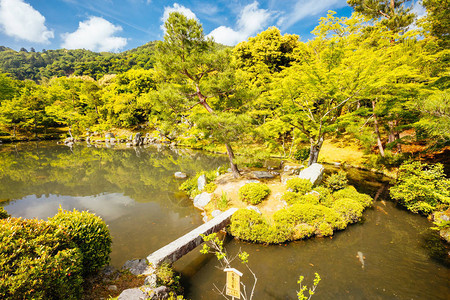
x=20 y=20
x=307 y=8
x=251 y=20
x=96 y=34
x=177 y=8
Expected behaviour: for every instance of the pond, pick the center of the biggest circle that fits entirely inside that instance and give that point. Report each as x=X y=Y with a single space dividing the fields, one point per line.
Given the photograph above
x=135 y=192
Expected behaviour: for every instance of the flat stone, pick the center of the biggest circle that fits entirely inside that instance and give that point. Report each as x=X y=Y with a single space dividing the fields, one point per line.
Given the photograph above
x=313 y=173
x=180 y=175
x=201 y=200
x=161 y=292
x=136 y=266
x=133 y=294
x=262 y=174
x=112 y=287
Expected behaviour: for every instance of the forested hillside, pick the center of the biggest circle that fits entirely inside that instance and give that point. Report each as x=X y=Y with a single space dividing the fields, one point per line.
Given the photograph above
x=46 y=64
x=368 y=78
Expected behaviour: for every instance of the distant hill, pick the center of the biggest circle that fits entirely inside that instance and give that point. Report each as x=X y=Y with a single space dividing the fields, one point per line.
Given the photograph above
x=37 y=66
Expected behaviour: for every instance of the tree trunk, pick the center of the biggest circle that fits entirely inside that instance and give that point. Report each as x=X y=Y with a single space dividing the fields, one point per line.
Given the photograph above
x=391 y=137
x=233 y=166
x=377 y=131
x=314 y=151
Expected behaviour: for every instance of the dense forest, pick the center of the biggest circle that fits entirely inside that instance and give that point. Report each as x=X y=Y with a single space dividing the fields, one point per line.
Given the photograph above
x=371 y=77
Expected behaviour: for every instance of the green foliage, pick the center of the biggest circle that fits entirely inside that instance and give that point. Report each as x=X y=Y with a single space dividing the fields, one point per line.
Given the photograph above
x=325 y=195
x=290 y=197
x=422 y=188
x=38 y=261
x=222 y=201
x=311 y=291
x=337 y=181
x=89 y=233
x=210 y=187
x=302 y=154
x=351 y=193
x=299 y=185
x=350 y=210
x=190 y=186
x=253 y=193
x=165 y=275
x=3 y=213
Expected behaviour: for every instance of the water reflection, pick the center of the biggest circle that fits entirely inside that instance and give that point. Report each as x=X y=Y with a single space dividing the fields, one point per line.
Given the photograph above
x=133 y=190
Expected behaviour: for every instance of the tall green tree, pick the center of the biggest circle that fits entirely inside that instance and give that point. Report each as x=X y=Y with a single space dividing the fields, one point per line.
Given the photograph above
x=438 y=20
x=195 y=72
x=338 y=69
x=392 y=13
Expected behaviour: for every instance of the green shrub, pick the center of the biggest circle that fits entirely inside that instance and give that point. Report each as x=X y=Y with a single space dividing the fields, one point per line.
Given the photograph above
x=351 y=193
x=3 y=213
x=302 y=231
x=299 y=185
x=309 y=199
x=290 y=197
x=210 y=187
x=337 y=181
x=248 y=225
x=191 y=184
x=325 y=196
x=38 y=261
x=253 y=193
x=89 y=233
x=166 y=276
x=302 y=154
x=422 y=188
x=223 y=202
x=350 y=210
x=324 y=229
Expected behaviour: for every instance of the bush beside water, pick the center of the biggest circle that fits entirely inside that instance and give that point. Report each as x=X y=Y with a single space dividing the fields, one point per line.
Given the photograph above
x=317 y=213
x=48 y=259
x=253 y=193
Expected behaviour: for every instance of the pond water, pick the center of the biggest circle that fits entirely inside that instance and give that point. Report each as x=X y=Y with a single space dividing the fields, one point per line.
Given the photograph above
x=135 y=192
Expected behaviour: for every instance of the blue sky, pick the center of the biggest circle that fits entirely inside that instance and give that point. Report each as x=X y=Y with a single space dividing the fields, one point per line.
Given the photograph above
x=117 y=25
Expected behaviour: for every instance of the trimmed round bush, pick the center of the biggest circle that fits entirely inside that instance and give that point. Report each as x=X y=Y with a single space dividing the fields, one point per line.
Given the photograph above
x=3 y=213
x=302 y=231
x=89 y=233
x=325 y=196
x=253 y=193
x=248 y=225
x=324 y=229
x=290 y=197
x=38 y=261
x=350 y=210
x=309 y=199
x=351 y=193
x=337 y=181
x=299 y=185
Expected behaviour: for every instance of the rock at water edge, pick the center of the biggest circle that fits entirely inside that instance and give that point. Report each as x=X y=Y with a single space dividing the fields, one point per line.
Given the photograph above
x=136 y=266
x=313 y=173
x=201 y=182
x=201 y=200
x=180 y=175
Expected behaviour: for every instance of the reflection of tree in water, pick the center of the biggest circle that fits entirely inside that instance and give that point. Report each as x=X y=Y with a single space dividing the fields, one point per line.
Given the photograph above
x=437 y=249
x=144 y=174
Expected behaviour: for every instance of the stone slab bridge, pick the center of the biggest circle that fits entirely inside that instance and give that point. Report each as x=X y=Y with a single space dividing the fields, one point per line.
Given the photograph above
x=183 y=245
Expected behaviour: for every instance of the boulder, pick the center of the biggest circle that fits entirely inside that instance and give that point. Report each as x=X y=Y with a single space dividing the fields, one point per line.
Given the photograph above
x=151 y=280
x=180 y=175
x=136 y=266
x=201 y=182
x=133 y=294
x=313 y=173
x=262 y=174
x=161 y=292
x=109 y=135
x=137 y=141
x=201 y=200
